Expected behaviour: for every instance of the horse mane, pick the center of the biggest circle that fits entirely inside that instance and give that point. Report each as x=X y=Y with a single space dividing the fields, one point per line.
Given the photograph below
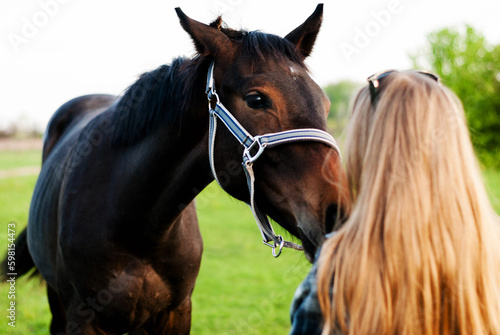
x=261 y=46
x=162 y=95
x=152 y=100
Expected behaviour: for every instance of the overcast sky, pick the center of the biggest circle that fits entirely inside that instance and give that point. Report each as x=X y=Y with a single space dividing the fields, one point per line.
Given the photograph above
x=54 y=50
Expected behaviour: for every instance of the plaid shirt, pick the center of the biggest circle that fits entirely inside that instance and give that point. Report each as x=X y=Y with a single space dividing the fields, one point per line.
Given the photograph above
x=305 y=312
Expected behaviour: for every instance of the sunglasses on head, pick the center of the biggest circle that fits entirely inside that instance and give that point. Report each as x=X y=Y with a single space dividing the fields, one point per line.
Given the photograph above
x=374 y=80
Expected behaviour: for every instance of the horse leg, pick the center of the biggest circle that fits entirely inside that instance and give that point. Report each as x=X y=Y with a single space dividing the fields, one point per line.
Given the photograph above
x=82 y=320
x=85 y=328
x=82 y=327
x=177 y=321
x=58 y=323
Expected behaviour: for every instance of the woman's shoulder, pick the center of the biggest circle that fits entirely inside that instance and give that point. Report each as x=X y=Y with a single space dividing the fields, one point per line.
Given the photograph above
x=305 y=311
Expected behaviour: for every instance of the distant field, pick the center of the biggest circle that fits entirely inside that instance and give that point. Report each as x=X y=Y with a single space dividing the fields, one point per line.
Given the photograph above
x=241 y=288
x=13 y=159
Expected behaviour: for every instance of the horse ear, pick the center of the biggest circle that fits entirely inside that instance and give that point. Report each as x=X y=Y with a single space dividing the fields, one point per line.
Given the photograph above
x=304 y=35
x=207 y=40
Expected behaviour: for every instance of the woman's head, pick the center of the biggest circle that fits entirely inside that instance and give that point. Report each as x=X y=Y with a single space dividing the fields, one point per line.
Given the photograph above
x=411 y=125
x=421 y=247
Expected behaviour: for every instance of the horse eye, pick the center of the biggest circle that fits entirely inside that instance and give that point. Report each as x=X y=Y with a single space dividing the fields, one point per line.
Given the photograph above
x=255 y=101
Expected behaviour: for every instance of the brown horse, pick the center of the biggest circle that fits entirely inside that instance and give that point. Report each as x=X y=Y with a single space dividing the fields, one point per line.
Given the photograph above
x=112 y=225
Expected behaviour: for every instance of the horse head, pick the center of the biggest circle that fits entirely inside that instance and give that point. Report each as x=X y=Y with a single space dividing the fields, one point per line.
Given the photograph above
x=263 y=80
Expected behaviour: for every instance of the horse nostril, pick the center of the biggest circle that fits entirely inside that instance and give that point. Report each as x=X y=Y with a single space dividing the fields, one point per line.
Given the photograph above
x=331 y=217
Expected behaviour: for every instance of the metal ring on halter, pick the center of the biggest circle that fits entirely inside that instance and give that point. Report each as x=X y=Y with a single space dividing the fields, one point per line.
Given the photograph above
x=247 y=155
x=276 y=245
x=211 y=94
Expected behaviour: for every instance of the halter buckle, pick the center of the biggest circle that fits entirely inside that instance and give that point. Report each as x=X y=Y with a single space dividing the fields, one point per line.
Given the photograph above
x=211 y=94
x=247 y=155
x=275 y=245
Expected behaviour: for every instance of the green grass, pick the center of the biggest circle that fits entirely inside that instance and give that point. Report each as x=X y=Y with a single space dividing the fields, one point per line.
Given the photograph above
x=31 y=302
x=241 y=288
x=16 y=159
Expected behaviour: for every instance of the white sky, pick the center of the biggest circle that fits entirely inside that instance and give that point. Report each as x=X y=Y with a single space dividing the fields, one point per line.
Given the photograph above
x=80 y=47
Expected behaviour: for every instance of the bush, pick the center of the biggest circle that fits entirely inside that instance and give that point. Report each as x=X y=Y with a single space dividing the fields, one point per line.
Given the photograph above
x=470 y=67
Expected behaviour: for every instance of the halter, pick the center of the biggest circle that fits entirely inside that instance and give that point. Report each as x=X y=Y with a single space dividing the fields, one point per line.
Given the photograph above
x=256 y=144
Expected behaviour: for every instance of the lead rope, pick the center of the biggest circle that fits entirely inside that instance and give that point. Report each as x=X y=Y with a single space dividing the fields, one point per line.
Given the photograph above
x=212 y=130
x=263 y=221
x=277 y=239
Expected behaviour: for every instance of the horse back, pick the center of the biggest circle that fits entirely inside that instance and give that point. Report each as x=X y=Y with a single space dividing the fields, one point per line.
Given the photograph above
x=62 y=133
x=70 y=114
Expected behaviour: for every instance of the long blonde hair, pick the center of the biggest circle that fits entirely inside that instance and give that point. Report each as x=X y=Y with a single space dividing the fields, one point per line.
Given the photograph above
x=420 y=253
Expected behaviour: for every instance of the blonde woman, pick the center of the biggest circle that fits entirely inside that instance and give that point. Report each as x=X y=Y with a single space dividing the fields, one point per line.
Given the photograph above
x=420 y=252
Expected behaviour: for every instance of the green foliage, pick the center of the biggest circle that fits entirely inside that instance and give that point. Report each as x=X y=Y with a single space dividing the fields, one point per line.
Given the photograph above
x=470 y=67
x=340 y=95
x=492 y=182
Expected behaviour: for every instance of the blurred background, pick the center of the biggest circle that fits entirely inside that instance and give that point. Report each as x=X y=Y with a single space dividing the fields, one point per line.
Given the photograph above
x=54 y=50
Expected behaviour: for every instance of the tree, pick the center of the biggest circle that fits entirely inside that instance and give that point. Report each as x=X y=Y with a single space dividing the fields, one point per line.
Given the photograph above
x=340 y=95
x=470 y=67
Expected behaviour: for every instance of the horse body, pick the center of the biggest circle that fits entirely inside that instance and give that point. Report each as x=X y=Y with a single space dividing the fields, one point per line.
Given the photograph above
x=148 y=270
x=113 y=227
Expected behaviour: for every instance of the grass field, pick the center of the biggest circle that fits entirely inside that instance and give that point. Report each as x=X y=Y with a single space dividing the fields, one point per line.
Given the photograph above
x=241 y=288
x=17 y=159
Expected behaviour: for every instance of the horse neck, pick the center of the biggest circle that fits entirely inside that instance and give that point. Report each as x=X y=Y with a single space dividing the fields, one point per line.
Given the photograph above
x=164 y=170
x=162 y=154
x=179 y=166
